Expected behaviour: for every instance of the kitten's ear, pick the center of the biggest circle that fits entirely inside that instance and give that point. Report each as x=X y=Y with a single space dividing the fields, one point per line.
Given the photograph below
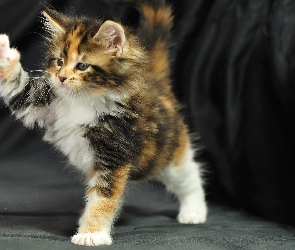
x=112 y=35
x=53 y=21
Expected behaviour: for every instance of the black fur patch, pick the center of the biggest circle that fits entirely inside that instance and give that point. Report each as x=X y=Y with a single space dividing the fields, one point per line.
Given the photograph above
x=97 y=77
x=106 y=191
x=43 y=94
x=115 y=141
x=37 y=92
x=21 y=100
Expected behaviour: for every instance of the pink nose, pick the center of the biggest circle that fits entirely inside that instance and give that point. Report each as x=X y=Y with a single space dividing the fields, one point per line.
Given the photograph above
x=62 y=79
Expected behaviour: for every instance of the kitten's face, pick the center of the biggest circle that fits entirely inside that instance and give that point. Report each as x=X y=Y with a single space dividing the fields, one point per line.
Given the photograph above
x=74 y=66
x=84 y=57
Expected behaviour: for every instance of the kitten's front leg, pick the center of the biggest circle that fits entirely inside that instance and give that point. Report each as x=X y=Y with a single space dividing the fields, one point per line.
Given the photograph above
x=27 y=98
x=103 y=202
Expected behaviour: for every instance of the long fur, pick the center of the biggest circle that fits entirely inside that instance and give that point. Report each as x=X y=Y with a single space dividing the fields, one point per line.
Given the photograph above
x=106 y=103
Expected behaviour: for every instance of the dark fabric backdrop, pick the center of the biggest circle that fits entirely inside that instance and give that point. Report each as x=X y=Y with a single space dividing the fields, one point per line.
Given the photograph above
x=234 y=73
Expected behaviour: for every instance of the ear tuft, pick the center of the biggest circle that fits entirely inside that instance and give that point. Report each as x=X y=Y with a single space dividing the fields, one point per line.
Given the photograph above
x=51 y=21
x=112 y=35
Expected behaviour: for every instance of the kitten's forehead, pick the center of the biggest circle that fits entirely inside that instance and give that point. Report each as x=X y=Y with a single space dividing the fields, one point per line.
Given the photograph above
x=79 y=45
x=71 y=49
x=74 y=39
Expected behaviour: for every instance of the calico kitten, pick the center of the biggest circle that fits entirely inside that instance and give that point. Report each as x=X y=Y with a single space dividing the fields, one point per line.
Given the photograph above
x=108 y=106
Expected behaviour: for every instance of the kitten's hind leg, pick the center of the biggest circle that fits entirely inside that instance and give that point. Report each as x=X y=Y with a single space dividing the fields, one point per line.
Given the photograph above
x=185 y=182
x=103 y=202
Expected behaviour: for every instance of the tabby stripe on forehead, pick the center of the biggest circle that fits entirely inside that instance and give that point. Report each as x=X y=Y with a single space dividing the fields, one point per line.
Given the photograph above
x=74 y=39
x=66 y=48
x=84 y=39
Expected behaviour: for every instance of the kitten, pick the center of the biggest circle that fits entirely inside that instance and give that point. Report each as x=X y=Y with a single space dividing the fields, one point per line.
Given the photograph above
x=107 y=105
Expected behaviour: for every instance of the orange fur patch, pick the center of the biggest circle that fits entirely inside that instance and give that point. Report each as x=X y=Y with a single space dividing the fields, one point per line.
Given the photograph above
x=74 y=41
x=100 y=211
x=148 y=152
x=162 y=162
x=184 y=144
x=167 y=104
x=160 y=56
x=162 y=16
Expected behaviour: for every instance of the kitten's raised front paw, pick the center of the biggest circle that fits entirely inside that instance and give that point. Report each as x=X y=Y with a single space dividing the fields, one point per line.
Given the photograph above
x=8 y=56
x=92 y=239
x=191 y=216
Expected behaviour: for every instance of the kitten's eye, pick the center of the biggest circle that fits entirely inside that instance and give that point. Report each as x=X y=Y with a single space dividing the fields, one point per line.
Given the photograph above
x=59 y=62
x=82 y=66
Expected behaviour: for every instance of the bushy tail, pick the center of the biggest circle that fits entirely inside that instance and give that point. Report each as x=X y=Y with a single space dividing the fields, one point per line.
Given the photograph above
x=156 y=22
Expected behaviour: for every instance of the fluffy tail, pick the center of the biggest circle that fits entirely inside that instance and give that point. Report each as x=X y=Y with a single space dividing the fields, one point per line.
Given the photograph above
x=156 y=20
x=155 y=26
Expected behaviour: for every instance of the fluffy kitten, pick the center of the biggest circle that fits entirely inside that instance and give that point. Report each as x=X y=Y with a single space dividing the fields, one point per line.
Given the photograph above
x=108 y=106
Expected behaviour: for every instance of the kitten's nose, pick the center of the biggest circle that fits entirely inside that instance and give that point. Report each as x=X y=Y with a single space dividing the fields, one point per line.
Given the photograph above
x=62 y=79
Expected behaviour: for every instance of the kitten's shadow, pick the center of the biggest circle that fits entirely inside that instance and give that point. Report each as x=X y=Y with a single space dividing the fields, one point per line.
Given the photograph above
x=130 y=216
x=134 y=215
x=40 y=225
x=64 y=225
x=156 y=208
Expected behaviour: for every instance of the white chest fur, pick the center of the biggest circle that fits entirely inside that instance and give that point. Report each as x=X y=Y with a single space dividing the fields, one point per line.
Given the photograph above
x=65 y=127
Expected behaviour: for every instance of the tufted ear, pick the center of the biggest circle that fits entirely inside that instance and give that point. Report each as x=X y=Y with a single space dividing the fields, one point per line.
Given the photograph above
x=53 y=21
x=112 y=35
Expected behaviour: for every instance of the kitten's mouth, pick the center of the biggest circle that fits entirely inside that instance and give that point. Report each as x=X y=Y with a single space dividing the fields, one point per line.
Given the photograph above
x=65 y=86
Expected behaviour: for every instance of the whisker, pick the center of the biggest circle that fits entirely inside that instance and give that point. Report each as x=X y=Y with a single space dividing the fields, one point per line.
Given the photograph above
x=72 y=97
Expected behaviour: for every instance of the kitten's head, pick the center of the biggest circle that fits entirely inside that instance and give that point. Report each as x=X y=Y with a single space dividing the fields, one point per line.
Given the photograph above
x=90 y=56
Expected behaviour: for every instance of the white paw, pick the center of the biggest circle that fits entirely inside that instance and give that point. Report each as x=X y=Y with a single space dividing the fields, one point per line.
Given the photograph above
x=7 y=55
x=189 y=216
x=92 y=239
